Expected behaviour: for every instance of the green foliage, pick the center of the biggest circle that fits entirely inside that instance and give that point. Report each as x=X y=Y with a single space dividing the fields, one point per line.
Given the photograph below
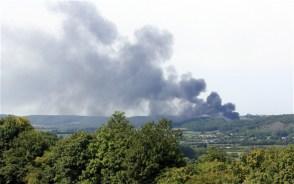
x=23 y=145
x=214 y=154
x=64 y=162
x=120 y=153
x=269 y=166
x=116 y=153
x=177 y=175
x=10 y=127
x=109 y=150
x=212 y=167
x=154 y=148
x=123 y=154
x=188 y=152
x=213 y=172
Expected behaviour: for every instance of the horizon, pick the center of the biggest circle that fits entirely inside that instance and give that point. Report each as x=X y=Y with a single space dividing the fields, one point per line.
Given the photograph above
x=106 y=116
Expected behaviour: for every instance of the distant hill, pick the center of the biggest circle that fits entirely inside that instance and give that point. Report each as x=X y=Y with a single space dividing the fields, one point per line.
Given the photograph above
x=248 y=130
x=71 y=123
x=67 y=123
x=248 y=122
x=278 y=124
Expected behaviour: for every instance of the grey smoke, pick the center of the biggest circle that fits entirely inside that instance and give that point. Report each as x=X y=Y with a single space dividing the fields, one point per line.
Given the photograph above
x=90 y=70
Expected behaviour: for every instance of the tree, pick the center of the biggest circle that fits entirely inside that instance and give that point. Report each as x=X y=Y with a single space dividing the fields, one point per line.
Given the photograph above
x=176 y=175
x=214 y=154
x=23 y=150
x=155 y=147
x=123 y=154
x=211 y=168
x=64 y=162
x=274 y=165
x=109 y=150
x=10 y=127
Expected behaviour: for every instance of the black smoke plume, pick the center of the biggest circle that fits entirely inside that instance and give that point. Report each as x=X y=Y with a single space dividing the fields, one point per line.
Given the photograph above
x=90 y=69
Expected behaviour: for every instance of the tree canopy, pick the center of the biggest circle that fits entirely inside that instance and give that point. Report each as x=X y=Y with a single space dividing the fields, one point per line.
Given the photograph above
x=120 y=153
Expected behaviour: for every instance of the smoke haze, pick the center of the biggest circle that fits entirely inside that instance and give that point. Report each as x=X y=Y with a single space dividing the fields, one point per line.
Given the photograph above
x=91 y=70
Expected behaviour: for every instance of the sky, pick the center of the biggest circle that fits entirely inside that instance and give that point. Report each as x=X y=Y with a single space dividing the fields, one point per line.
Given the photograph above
x=242 y=49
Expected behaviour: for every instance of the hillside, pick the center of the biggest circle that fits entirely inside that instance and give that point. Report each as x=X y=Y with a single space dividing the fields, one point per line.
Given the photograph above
x=272 y=123
x=73 y=123
x=248 y=130
x=268 y=123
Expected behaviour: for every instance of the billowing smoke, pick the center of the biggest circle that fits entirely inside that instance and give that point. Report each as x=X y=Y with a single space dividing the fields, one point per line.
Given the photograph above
x=90 y=69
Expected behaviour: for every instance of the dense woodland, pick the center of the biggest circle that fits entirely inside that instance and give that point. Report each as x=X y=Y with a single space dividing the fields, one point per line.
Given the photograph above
x=118 y=152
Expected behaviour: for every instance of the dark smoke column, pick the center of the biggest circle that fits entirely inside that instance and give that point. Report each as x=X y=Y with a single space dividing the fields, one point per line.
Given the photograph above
x=88 y=69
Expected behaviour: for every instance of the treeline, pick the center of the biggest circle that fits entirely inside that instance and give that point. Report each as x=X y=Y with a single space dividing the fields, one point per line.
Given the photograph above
x=119 y=153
